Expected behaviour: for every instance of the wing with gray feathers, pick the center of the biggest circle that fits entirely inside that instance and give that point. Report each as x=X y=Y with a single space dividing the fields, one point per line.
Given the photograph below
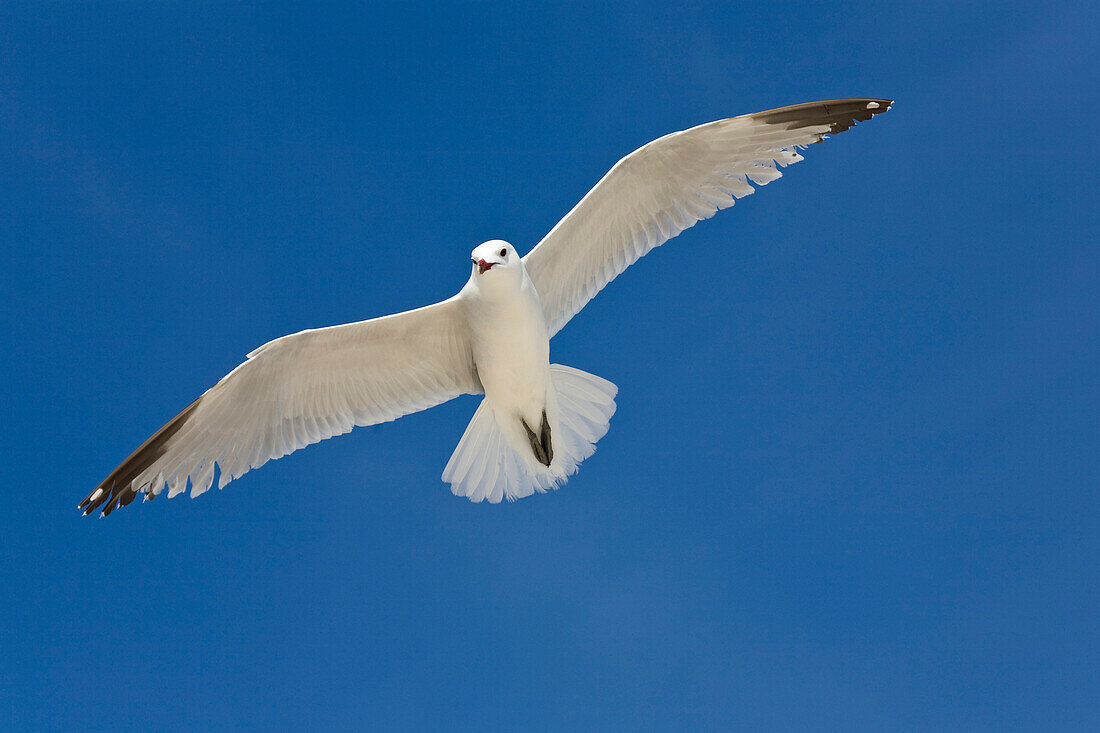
x=664 y=187
x=298 y=390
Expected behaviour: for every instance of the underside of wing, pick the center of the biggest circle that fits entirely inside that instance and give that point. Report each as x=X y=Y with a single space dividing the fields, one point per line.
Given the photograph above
x=298 y=390
x=668 y=185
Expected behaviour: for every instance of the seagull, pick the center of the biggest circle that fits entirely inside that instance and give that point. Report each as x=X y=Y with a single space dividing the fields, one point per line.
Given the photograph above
x=538 y=421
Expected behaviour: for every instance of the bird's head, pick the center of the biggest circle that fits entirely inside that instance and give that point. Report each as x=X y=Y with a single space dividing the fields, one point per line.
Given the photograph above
x=494 y=256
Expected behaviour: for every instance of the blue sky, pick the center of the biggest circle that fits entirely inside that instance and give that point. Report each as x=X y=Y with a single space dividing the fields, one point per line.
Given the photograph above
x=852 y=480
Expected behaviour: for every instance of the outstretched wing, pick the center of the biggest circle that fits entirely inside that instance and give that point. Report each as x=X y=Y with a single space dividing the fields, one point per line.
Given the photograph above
x=666 y=186
x=298 y=390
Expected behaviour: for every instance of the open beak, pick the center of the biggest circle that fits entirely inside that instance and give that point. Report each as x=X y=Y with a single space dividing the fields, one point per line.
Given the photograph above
x=483 y=266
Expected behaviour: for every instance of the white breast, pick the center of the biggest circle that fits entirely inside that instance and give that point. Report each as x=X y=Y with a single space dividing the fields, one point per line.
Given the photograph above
x=511 y=346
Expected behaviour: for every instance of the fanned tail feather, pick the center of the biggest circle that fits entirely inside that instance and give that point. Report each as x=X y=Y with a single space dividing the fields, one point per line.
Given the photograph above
x=485 y=466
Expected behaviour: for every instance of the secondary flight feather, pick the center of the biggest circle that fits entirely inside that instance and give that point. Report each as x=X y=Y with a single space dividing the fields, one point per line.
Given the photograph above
x=538 y=420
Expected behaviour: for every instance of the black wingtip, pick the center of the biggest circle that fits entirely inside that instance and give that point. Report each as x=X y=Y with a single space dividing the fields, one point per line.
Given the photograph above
x=839 y=114
x=116 y=490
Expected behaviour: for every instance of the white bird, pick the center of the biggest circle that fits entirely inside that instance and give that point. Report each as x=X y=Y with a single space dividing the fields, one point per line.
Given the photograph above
x=538 y=420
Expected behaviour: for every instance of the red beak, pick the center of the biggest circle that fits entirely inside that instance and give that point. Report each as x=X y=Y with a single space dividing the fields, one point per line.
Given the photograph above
x=483 y=266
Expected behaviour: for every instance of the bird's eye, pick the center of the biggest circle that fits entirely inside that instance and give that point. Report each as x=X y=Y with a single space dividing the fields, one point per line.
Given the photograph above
x=504 y=253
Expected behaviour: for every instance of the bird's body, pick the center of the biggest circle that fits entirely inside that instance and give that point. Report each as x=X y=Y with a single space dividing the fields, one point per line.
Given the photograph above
x=538 y=420
x=510 y=342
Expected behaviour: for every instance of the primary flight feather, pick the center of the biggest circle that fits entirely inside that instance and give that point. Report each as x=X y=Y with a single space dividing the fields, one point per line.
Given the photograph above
x=538 y=420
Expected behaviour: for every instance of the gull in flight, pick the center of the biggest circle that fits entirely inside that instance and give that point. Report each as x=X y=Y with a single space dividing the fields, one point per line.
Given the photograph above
x=538 y=420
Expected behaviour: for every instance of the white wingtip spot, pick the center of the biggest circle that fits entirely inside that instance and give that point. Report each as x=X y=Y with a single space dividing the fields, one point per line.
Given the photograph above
x=872 y=105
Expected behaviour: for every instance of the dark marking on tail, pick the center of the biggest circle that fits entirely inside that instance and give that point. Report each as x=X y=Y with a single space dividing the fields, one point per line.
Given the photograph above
x=542 y=445
x=544 y=436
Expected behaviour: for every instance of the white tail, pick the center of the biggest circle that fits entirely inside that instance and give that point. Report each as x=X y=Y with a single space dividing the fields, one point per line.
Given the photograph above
x=486 y=466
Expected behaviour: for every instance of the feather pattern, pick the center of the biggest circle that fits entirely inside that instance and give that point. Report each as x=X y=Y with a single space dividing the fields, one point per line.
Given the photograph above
x=298 y=390
x=664 y=187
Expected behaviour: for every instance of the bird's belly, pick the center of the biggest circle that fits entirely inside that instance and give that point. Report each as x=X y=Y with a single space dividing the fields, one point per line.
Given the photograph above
x=514 y=367
x=512 y=354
